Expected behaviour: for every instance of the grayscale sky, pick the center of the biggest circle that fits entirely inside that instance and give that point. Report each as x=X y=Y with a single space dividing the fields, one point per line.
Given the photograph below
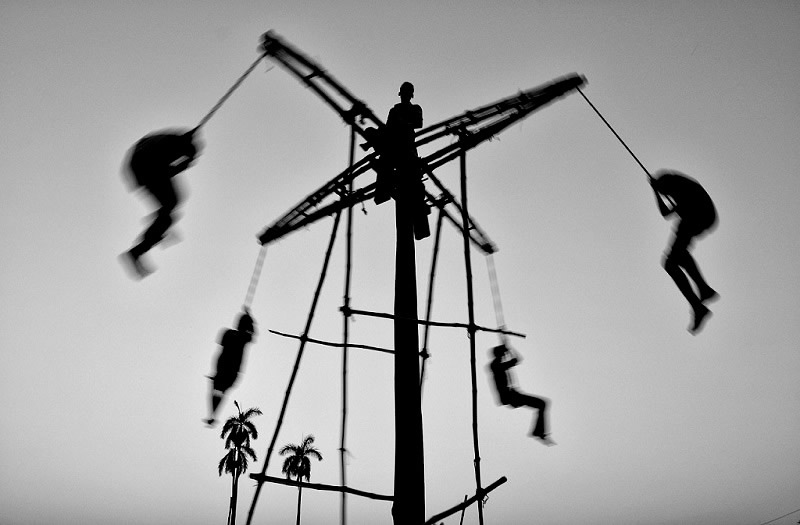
x=102 y=377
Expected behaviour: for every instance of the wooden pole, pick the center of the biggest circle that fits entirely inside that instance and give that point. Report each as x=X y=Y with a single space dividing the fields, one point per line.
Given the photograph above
x=346 y=332
x=471 y=331
x=466 y=503
x=296 y=368
x=263 y=478
x=478 y=328
x=409 y=467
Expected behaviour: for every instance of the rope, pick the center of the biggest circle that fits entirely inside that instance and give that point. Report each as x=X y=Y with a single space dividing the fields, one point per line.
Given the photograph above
x=614 y=132
x=498 y=304
x=776 y=519
x=229 y=93
x=251 y=290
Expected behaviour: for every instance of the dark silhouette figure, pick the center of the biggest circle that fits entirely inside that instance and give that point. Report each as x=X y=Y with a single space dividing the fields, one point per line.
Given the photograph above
x=401 y=152
x=403 y=119
x=229 y=361
x=152 y=164
x=685 y=197
x=504 y=360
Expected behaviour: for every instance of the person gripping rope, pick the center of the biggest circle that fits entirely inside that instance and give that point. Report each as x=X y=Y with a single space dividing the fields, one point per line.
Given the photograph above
x=152 y=163
x=500 y=366
x=229 y=361
x=680 y=195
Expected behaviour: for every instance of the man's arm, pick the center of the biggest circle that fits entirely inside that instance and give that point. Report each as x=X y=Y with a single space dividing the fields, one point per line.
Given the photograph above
x=417 y=117
x=665 y=204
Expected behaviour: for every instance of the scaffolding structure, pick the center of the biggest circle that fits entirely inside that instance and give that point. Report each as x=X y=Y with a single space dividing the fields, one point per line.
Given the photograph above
x=455 y=137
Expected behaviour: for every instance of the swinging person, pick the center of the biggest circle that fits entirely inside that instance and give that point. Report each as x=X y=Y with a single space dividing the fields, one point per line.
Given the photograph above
x=229 y=360
x=152 y=164
x=504 y=360
x=685 y=197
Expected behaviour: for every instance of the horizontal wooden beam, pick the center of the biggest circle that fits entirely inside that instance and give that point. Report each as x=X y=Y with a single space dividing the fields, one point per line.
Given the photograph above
x=319 y=486
x=329 y=343
x=476 y=327
x=466 y=503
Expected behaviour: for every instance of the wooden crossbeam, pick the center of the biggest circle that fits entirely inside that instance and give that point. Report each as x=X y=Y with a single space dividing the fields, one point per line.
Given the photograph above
x=436 y=323
x=330 y=343
x=466 y=503
x=262 y=478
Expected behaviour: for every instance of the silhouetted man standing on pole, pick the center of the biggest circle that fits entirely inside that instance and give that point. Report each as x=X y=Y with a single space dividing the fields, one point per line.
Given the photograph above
x=403 y=119
x=685 y=197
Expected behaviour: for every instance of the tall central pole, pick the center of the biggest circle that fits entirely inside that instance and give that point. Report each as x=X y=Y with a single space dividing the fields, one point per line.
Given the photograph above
x=409 y=466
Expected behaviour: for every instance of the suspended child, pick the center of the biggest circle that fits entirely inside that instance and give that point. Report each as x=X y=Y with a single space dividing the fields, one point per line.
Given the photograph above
x=683 y=196
x=229 y=361
x=504 y=360
x=152 y=164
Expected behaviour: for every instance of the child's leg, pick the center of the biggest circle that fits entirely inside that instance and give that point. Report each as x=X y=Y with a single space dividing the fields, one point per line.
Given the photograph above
x=539 y=429
x=676 y=260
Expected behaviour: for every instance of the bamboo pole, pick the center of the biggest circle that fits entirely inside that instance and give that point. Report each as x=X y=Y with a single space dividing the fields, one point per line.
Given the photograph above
x=346 y=331
x=331 y=343
x=435 y=323
x=429 y=308
x=262 y=478
x=471 y=330
x=296 y=368
x=449 y=512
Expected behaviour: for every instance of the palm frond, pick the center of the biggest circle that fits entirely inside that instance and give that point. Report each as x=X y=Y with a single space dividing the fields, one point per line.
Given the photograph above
x=289 y=448
x=255 y=411
x=251 y=429
x=249 y=451
x=226 y=428
x=228 y=463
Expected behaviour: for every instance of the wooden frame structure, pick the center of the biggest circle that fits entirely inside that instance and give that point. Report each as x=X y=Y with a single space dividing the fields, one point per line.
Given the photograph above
x=470 y=128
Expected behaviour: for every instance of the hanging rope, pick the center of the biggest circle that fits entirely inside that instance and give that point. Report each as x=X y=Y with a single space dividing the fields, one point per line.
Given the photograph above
x=498 y=303
x=251 y=290
x=229 y=92
x=615 y=133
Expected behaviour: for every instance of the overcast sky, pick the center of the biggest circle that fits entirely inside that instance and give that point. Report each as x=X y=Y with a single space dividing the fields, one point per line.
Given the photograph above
x=103 y=377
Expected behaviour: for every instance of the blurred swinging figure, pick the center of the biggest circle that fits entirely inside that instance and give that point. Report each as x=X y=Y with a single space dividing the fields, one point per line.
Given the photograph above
x=152 y=163
x=229 y=361
x=685 y=197
x=504 y=360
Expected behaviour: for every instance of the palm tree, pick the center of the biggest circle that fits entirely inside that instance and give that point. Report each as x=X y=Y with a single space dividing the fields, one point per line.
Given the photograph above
x=237 y=432
x=298 y=464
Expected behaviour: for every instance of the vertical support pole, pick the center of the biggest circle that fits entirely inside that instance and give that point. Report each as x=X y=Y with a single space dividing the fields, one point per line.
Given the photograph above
x=346 y=331
x=409 y=465
x=429 y=308
x=472 y=330
x=296 y=369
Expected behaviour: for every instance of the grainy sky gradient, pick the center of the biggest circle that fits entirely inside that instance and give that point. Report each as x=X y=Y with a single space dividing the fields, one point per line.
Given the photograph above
x=102 y=377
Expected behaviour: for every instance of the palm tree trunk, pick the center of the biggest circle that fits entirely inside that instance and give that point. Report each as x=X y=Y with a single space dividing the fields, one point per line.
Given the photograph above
x=234 y=496
x=299 y=496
